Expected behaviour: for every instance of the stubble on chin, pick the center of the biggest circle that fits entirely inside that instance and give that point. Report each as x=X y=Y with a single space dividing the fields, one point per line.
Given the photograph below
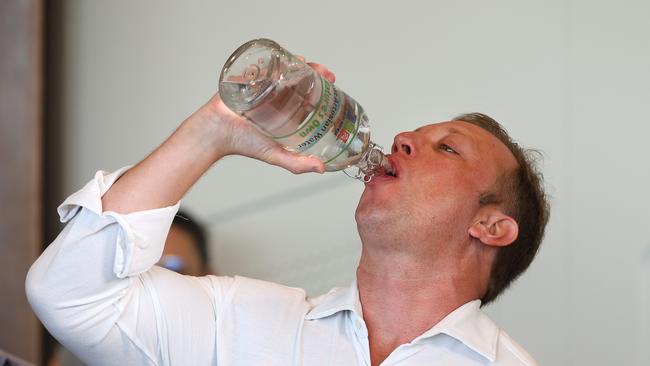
x=378 y=220
x=368 y=211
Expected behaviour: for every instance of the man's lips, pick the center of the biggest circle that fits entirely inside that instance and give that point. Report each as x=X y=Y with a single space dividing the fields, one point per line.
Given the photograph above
x=393 y=163
x=383 y=176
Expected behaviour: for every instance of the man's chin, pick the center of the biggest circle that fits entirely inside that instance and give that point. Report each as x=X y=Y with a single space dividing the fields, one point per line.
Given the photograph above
x=371 y=215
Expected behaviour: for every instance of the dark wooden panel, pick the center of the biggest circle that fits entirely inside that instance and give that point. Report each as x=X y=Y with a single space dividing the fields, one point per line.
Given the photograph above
x=20 y=170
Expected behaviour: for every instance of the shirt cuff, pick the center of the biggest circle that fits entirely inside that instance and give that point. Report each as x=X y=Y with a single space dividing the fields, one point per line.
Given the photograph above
x=141 y=236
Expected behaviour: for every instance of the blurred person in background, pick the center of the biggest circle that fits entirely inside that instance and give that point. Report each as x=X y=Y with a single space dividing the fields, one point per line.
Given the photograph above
x=186 y=247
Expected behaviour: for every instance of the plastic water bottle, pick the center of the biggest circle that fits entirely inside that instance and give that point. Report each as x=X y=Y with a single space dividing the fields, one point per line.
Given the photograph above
x=299 y=108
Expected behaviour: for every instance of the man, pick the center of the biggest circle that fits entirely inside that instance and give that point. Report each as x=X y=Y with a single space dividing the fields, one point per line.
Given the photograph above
x=462 y=217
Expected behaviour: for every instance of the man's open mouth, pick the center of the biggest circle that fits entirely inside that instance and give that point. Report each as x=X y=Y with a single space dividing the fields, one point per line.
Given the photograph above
x=388 y=170
x=394 y=171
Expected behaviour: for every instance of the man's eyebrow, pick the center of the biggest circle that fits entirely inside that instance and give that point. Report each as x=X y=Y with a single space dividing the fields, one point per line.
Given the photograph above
x=452 y=130
x=465 y=139
x=448 y=129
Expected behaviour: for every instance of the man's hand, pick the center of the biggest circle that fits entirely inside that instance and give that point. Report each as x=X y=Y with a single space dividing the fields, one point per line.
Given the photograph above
x=237 y=136
x=209 y=134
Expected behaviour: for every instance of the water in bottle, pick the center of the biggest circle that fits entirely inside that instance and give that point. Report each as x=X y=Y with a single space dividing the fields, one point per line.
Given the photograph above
x=302 y=110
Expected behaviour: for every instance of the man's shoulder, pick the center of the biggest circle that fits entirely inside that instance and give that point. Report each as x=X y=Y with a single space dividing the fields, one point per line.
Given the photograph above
x=472 y=327
x=509 y=352
x=244 y=290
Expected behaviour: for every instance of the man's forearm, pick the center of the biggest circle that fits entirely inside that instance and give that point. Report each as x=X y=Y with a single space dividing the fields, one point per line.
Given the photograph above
x=163 y=177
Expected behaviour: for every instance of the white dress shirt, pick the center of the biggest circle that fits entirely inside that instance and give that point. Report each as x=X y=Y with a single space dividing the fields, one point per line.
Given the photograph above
x=97 y=290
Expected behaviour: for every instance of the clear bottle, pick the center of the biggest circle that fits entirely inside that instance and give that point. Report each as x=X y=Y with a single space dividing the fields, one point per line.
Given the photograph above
x=299 y=108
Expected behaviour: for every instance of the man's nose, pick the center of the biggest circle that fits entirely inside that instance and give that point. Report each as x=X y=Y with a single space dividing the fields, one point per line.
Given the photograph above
x=404 y=143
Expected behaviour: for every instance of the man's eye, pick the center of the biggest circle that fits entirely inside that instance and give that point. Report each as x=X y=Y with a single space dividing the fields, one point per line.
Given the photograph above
x=447 y=148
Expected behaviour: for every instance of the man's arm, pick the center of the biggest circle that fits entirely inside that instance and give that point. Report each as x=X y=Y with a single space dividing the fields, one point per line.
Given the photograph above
x=209 y=134
x=94 y=287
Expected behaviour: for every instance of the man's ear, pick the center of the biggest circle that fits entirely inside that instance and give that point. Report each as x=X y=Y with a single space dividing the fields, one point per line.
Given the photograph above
x=493 y=227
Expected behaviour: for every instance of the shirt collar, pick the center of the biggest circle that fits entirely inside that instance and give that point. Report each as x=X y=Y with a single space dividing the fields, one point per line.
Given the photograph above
x=468 y=324
x=471 y=326
x=338 y=299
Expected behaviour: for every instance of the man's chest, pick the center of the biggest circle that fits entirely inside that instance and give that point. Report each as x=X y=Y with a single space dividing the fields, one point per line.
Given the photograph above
x=332 y=341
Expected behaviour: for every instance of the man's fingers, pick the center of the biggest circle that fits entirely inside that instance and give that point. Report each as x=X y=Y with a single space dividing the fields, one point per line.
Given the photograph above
x=321 y=69
x=295 y=163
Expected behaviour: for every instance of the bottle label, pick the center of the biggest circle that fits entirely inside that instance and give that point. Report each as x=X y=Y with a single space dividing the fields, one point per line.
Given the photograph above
x=324 y=116
x=348 y=125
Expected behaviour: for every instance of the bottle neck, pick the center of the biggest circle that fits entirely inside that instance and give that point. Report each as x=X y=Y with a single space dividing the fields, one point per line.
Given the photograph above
x=373 y=162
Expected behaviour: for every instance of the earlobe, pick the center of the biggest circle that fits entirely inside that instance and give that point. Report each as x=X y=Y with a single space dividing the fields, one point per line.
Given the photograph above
x=495 y=229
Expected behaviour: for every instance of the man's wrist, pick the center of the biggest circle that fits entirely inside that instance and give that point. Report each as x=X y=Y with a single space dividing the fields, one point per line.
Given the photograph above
x=212 y=126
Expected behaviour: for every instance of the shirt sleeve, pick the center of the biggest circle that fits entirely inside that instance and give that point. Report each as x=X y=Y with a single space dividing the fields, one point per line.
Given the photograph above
x=97 y=291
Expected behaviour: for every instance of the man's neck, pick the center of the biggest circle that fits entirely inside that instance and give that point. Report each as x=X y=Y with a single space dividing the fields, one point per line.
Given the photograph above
x=402 y=296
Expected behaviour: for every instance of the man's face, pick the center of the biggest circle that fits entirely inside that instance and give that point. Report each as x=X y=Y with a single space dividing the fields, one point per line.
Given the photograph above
x=441 y=171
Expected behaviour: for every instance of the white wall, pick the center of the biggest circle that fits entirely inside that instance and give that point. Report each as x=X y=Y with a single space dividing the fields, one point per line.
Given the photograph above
x=570 y=77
